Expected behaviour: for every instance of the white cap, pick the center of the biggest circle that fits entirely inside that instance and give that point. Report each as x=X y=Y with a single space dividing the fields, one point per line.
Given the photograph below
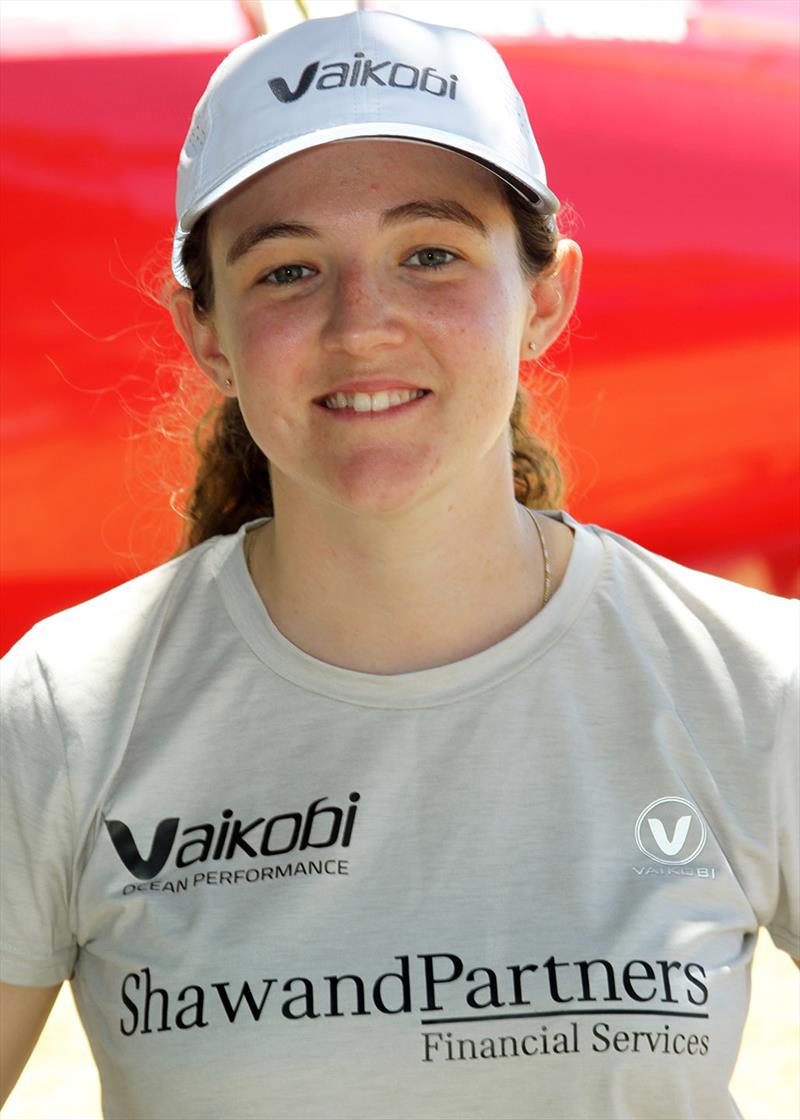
x=355 y=76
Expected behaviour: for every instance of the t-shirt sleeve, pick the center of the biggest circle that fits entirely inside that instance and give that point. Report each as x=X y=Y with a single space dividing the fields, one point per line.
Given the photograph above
x=784 y=925
x=37 y=943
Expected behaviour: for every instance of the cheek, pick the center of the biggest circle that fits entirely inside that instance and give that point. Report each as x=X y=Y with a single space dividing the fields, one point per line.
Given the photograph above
x=269 y=355
x=263 y=338
x=477 y=322
x=268 y=359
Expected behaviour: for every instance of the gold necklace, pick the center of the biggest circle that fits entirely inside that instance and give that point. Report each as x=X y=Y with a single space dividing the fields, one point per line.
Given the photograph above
x=249 y=545
x=546 y=556
x=250 y=542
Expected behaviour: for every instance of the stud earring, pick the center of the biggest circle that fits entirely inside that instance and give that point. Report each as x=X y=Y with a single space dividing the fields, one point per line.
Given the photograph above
x=228 y=383
x=531 y=345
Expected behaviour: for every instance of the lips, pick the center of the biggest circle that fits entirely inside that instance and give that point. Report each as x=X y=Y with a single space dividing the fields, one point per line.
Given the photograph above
x=374 y=386
x=386 y=415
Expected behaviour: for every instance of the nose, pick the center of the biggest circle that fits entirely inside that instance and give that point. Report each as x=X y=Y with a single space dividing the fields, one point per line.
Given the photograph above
x=361 y=315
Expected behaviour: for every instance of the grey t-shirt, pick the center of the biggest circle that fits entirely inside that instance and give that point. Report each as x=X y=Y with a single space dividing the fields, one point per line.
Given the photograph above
x=526 y=884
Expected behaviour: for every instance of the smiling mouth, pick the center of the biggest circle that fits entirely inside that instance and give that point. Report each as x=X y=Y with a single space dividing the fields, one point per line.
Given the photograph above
x=355 y=413
x=372 y=402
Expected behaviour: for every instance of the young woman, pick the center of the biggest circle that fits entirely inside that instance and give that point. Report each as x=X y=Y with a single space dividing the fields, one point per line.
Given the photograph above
x=390 y=797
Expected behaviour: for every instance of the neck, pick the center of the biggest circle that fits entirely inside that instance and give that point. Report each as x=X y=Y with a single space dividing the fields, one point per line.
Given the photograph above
x=398 y=598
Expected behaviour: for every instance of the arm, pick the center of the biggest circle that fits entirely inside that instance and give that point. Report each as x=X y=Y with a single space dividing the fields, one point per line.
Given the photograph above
x=23 y=1013
x=37 y=831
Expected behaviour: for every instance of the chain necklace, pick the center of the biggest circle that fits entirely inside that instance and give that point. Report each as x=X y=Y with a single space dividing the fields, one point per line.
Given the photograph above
x=546 y=556
x=250 y=540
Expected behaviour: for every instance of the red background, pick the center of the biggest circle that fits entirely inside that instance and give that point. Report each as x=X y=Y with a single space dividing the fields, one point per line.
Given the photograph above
x=682 y=414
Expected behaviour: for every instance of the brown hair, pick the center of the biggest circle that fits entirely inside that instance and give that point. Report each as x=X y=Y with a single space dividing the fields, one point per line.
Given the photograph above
x=232 y=481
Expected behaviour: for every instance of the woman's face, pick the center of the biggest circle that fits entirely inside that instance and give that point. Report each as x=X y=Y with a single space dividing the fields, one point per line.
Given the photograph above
x=383 y=282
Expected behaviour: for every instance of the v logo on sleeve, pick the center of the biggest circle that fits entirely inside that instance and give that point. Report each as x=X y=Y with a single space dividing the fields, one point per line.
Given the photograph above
x=667 y=833
x=670 y=847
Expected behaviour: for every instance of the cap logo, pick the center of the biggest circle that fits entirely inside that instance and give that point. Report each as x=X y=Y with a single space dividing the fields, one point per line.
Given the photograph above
x=282 y=91
x=336 y=75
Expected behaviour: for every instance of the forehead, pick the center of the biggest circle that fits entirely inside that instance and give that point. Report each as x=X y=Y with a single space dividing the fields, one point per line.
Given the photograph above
x=351 y=177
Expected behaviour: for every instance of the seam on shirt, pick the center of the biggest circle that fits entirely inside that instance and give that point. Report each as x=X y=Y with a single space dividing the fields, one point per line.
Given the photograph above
x=783 y=707
x=44 y=970
x=708 y=815
x=15 y=971
x=783 y=718
x=784 y=939
x=602 y=572
x=22 y=953
x=72 y=913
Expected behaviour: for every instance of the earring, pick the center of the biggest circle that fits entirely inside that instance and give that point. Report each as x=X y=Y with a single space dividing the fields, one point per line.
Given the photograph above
x=228 y=383
x=531 y=345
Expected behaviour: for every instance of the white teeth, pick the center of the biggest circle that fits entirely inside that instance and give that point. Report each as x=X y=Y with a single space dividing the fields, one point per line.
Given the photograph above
x=373 y=402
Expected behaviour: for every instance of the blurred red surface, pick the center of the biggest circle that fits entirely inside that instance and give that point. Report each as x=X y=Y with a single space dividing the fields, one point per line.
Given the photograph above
x=682 y=416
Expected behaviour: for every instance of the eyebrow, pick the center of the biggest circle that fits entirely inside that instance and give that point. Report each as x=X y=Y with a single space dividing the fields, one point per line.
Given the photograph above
x=441 y=209
x=264 y=232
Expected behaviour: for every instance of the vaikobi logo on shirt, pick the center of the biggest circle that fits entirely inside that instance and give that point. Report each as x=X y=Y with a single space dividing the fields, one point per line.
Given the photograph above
x=297 y=835
x=671 y=832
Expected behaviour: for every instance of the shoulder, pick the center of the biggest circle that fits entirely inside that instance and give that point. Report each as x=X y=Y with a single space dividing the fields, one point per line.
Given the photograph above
x=703 y=609
x=98 y=637
x=724 y=656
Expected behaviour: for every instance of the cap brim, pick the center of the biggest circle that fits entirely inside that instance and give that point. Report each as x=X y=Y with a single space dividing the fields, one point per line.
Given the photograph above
x=534 y=190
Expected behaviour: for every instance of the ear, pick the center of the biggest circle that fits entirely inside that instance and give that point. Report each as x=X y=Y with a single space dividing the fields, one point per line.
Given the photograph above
x=553 y=298
x=201 y=341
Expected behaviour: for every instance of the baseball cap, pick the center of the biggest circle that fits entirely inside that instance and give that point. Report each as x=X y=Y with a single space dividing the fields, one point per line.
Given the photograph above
x=365 y=74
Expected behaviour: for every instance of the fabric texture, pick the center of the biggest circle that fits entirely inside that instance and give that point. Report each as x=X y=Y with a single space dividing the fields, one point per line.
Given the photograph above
x=524 y=885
